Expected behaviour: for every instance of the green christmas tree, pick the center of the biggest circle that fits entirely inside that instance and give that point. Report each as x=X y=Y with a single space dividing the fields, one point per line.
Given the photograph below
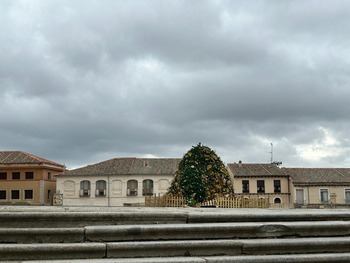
x=201 y=176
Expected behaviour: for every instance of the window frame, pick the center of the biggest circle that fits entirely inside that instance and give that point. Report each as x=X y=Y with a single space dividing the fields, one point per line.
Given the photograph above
x=3 y=175
x=346 y=200
x=29 y=175
x=17 y=174
x=85 y=190
x=100 y=191
x=25 y=191
x=277 y=186
x=324 y=190
x=131 y=189
x=245 y=186
x=262 y=186
x=3 y=191
x=147 y=187
x=12 y=192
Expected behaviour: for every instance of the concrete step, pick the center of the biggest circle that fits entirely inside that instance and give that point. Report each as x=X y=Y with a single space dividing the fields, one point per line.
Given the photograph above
x=52 y=251
x=217 y=231
x=74 y=217
x=175 y=232
x=299 y=258
x=80 y=219
x=42 y=235
x=267 y=215
x=227 y=247
x=180 y=248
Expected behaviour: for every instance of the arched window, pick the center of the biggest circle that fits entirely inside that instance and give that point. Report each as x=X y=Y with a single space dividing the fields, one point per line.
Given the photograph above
x=85 y=188
x=147 y=187
x=132 y=186
x=100 y=188
x=277 y=200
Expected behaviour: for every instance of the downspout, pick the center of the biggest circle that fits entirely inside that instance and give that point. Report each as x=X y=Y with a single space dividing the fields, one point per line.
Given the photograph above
x=108 y=192
x=289 y=196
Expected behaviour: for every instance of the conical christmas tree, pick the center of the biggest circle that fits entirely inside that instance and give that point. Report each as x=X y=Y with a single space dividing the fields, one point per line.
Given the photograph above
x=201 y=176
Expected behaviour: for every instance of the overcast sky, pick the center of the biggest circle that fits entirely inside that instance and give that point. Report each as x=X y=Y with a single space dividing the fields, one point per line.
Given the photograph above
x=84 y=81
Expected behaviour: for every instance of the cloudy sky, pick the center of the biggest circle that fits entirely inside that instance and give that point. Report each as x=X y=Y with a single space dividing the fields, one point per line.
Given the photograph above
x=84 y=81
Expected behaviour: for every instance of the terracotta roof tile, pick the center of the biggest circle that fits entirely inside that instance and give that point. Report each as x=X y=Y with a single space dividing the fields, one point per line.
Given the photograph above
x=19 y=157
x=318 y=175
x=255 y=169
x=129 y=166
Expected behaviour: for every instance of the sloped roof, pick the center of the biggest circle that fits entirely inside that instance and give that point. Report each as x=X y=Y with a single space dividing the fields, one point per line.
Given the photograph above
x=255 y=169
x=318 y=176
x=129 y=166
x=19 y=157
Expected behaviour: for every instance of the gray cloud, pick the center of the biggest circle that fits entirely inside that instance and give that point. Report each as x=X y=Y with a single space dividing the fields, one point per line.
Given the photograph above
x=85 y=81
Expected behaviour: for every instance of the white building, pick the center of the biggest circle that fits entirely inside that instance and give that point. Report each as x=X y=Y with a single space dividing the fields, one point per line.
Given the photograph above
x=117 y=181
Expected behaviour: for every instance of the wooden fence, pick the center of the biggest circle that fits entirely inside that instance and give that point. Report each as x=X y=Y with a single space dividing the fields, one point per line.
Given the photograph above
x=222 y=202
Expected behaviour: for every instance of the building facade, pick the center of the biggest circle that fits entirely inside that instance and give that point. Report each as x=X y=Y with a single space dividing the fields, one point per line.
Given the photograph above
x=262 y=180
x=320 y=186
x=27 y=179
x=117 y=182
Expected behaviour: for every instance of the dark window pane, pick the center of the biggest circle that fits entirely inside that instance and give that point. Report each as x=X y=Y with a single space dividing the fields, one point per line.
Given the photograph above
x=261 y=186
x=14 y=194
x=3 y=176
x=28 y=194
x=16 y=175
x=277 y=186
x=245 y=186
x=147 y=187
x=29 y=175
x=132 y=188
x=2 y=194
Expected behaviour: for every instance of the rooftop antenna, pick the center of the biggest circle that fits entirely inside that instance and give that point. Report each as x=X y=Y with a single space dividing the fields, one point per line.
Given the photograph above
x=271 y=158
x=271 y=153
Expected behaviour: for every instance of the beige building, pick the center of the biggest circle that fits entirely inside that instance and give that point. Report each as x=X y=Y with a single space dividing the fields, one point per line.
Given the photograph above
x=319 y=186
x=262 y=180
x=27 y=179
x=116 y=182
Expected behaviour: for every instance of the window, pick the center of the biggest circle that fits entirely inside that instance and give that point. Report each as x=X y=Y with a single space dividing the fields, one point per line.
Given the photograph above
x=299 y=196
x=100 y=188
x=277 y=200
x=28 y=194
x=324 y=195
x=3 y=176
x=277 y=186
x=85 y=188
x=245 y=186
x=14 y=194
x=132 y=188
x=260 y=186
x=147 y=187
x=29 y=175
x=48 y=195
x=16 y=175
x=3 y=195
x=49 y=176
x=347 y=196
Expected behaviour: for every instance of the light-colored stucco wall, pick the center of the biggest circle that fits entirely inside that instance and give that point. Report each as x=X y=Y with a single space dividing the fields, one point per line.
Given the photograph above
x=312 y=194
x=116 y=189
x=269 y=187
